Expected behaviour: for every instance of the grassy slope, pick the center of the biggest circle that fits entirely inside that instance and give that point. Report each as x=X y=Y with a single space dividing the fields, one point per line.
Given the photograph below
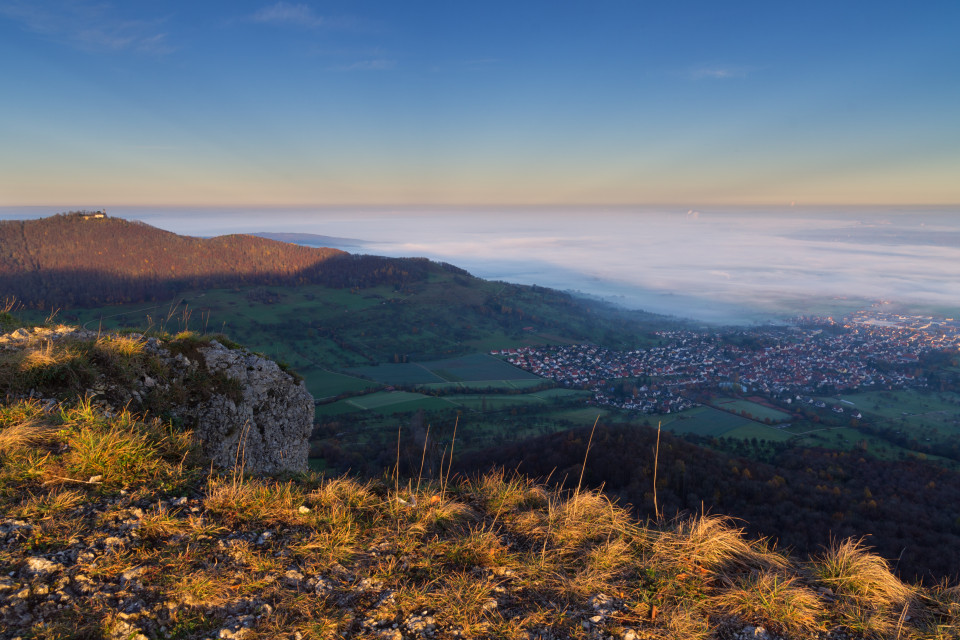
x=113 y=526
x=495 y=556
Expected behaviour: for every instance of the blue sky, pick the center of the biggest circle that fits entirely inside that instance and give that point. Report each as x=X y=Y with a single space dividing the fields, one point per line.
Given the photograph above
x=406 y=103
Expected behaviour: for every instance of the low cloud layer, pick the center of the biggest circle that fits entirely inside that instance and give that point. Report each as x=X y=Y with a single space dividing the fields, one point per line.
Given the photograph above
x=720 y=266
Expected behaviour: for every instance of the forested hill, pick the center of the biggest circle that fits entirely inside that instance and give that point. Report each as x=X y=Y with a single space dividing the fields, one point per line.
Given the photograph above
x=82 y=258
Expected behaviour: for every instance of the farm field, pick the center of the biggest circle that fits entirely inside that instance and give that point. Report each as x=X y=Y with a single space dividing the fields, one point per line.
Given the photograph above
x=328 y=384
x=758 y=411
x=475 y=368
x=704 y=421
x=477 y=385
x=478 y=402
x=911 y=409
x=399 y=374
x=760 y=432
x=494 y=402
x=383 y=398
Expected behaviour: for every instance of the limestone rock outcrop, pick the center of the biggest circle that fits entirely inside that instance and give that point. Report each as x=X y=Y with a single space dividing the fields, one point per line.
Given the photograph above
x=246 y=411
x=264 y=425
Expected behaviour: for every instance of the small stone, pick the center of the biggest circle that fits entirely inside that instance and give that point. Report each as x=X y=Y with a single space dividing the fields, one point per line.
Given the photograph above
x=293 y=577
x=179 y=502
x=490 y=604
x=131 y=574
x=304 y=510
x=40 y=567
x=629 y=634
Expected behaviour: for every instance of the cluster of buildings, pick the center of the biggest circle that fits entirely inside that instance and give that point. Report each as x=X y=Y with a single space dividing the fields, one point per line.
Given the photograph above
x=816 y=357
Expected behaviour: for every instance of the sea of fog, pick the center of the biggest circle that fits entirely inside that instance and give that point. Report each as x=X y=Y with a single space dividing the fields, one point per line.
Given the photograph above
x=715 y=265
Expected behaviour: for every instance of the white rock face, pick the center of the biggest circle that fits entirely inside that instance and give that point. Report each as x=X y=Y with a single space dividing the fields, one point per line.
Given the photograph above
x=267 y=431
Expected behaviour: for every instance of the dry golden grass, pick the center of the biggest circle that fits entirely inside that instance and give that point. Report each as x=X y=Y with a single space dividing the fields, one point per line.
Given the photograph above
x=121 y=345
x=492 y=557
x=501 y=494
x=851 y=571
x=873 y=602
x=779 y=603
x=123 y=450
x=30 y=434
x=237 y=500
x=48 y=505
x=711 y=542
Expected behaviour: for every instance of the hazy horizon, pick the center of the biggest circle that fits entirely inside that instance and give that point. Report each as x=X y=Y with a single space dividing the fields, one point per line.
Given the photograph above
x=721 y=265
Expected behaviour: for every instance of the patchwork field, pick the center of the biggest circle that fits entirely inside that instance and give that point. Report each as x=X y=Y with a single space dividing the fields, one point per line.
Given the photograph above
x=508 y=385
x=760 y=432
x=478 y=368
x=399 y=374
x=328 y=384
x=703 y=421
x=758 y=411
x=911 y=409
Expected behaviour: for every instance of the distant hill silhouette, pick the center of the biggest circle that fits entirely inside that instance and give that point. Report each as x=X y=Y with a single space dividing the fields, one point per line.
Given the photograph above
x=87 y=258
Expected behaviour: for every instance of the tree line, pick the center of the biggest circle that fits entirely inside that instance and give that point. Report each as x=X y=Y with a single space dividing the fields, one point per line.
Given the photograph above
x=78 y=259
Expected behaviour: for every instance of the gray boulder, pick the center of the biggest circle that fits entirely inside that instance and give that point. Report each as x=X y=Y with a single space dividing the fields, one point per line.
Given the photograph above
x=263 y=427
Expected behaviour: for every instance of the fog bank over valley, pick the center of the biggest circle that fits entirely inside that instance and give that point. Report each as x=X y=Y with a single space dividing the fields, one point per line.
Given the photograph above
x=722 y=266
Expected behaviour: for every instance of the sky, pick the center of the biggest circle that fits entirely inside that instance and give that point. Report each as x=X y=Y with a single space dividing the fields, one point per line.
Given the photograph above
x=248 y=103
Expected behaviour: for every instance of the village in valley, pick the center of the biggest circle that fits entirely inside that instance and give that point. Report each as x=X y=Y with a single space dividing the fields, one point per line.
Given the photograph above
x=812 y=356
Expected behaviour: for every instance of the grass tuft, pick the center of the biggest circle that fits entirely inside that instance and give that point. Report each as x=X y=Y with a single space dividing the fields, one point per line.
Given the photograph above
x=777 y=602
x=714 y=544
x=851 y=571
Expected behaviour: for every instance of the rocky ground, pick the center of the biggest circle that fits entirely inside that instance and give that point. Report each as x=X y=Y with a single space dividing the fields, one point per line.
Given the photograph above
x=114 y=524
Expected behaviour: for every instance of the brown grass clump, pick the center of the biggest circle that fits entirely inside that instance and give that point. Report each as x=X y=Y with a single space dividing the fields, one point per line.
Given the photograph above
x=500 y=494
x=342 y=494
x=777 y=602
x=123 y=450
x=239 y=500
x=48 y=505
x=42 y=450
x=850 y=570
x=713 y=543
x=873 y=601
x=25 y=435
x=46 y=365
x=121 y=345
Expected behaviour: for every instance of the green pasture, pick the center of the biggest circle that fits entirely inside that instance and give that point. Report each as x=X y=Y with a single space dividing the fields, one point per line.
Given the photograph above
x=472 y=370
x=703 y=421
x=849 y=439
x=758 y=411
x=425 y=403
x=562 y=394
x=760 y=432
x=475 y=385
x=327 y=384
x=399 y=374
x=384 y=398
x=908 y=409
x=477 y=366
x=337 y=408
x=493 y=402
